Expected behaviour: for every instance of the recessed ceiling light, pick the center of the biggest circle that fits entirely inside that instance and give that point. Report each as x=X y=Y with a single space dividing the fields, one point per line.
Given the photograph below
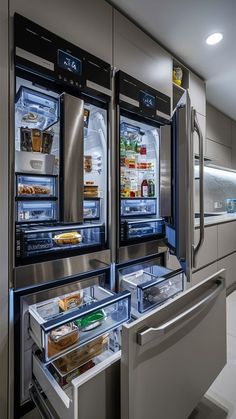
x=214 y=38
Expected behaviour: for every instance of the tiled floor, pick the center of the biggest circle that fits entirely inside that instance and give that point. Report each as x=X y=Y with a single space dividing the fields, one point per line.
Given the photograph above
x=220 y=400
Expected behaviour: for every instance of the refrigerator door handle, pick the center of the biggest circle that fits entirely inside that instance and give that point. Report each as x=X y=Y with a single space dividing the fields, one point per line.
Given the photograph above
x=72 y=168
x=152 y=333
x=196 y=128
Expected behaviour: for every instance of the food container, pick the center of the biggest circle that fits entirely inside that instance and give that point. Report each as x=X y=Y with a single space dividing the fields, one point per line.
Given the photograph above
x=62 y=338
x=47 y=140
x=91 y=191
x=29 y=162
x=71 y=301
x=65 y=380
x=25 y=139
x=73 y=237
x=91 y=321
x=36 y=137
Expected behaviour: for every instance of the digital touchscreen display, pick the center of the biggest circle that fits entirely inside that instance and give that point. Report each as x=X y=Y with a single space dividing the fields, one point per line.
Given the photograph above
x=68 y=62
x=147 y=100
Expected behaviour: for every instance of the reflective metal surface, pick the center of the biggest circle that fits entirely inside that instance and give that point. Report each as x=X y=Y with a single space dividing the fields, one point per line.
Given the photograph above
x=165 y=171
x=98 y=88
x=141 y=250
x=72 y=169
x=54 y=270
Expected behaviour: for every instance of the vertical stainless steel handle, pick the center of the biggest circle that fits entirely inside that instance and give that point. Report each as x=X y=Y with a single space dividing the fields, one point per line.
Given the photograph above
x=72 y=167
x=196 y=128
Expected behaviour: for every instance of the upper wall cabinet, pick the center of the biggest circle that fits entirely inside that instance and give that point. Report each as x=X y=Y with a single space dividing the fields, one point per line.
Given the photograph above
x=218 y=126
x=138 y=55
x=197 y=91
x=85 y=23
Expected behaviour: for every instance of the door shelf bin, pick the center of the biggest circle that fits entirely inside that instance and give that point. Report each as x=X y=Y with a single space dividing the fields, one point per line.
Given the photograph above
x=152 y=286
x=95 y=311
x=35 y=186
x=33 y=241
x=92 y=209
x=142 y=229
x=137 y=207
x=35 y=211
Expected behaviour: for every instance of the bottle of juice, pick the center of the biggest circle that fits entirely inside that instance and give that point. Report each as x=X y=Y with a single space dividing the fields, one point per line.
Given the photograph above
x=144 y=188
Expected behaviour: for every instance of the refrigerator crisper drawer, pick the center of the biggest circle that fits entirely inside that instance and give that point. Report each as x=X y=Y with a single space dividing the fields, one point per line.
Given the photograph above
x=35 y=211
x=62 y=324
x=92 y=209
x=35 y=186
x=35 y=241
x=152 y=286
x=139 y=229
x=137 y=207
x=94 y=394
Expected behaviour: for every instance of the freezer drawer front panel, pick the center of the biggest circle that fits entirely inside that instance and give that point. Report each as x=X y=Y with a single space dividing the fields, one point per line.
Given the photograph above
x=171 y=356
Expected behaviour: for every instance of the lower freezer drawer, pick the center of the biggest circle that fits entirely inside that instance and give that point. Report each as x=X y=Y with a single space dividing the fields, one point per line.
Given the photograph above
x=86 y=398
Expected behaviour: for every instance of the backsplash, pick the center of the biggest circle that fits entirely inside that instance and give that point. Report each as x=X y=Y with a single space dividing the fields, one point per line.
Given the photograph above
x=219 y=186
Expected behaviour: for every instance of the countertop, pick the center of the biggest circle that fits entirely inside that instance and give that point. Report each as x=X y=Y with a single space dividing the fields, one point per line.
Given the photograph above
x=217 y=219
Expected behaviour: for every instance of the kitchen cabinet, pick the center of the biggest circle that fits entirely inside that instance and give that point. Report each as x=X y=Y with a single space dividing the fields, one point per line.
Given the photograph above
x=229 y=263
x=218 y=153
x=202 y=123
x=140 y=56
x=197 y=90
x=86 y=23
x=208 y=251
x=204 y=273
x=233 y=142
x=227 y=239
x=218 y=126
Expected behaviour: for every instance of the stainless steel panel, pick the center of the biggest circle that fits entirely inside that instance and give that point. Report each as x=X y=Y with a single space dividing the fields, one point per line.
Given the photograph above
x=53 y=270
x=129 y=100
x=73 y=158
x=5 y=217
x=34 y=59
x=184 y=187
x=165 y=171
x=168 y=375
x=141 y=250
x=99 y=88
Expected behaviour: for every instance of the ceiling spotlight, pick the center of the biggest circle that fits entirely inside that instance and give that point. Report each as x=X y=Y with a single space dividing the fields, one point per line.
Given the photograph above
x=214 y=38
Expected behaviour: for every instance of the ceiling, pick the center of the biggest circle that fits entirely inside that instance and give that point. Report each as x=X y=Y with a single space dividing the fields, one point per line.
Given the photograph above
x=182 y=27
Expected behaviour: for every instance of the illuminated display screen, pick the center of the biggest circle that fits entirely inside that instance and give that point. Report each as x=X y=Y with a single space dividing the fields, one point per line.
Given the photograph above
x=68 y=62
x=147 y=100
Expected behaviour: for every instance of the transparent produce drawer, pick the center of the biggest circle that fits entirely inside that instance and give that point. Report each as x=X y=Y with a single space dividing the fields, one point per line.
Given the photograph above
x=92 y=209
x=36 y=241
x=135 y=207
x=36 y=211
x=34 y=186
x=152 y=286
x=94 y=312
x=35 y=109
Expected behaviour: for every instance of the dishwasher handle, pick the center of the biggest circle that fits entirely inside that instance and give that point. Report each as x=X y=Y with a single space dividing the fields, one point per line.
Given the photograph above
x=196 y=247
x=152 y=333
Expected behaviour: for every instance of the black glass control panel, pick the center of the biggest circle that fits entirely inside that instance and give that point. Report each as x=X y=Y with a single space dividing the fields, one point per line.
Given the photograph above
x=45 y=54
x=140 y=98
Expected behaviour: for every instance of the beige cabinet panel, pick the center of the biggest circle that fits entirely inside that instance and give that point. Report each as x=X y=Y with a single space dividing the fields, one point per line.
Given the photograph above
x=197 y=90
x=233 y=140
x=218 y=126
x=202 y=123
x=86 y=23
x=227 y=239
x=203 y=273
x=208 y=251
x=218 y=153
x=229 y=263
x=140 y=56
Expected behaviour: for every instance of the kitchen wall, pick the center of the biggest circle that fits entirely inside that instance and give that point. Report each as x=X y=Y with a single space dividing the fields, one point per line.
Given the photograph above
x=219 y=185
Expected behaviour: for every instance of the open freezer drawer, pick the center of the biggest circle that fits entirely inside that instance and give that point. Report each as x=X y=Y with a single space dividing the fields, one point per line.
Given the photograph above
x=171 y=356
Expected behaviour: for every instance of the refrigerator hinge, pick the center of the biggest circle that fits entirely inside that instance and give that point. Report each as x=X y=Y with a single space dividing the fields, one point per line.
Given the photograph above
x=113 y=71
